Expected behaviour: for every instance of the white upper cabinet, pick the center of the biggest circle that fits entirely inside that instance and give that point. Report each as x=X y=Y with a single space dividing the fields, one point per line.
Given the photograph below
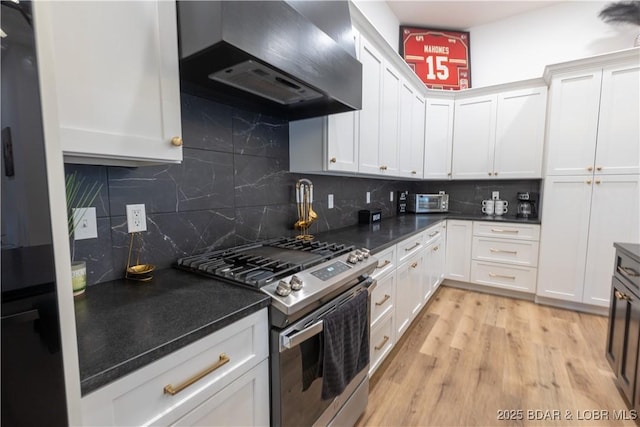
x=593 y=121
x=389 y=121
x=372 y=72
x=520 y=133
x=114 y=66
x=618 y=145
x=500 y=135
x=474 y=137
x=411 y=141
x=438 y=142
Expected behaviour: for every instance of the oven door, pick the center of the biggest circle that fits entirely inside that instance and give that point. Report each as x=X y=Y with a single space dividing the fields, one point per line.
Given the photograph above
x=295 y=390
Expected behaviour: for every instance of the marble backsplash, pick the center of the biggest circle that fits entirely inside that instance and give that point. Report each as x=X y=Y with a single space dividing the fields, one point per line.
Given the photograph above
x=233 y=187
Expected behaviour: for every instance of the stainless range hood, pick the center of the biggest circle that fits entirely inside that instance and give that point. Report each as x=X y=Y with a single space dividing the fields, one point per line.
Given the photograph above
x=293 y=59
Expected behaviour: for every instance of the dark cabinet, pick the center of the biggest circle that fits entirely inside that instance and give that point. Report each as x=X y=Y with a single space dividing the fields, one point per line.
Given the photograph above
x=623 y=338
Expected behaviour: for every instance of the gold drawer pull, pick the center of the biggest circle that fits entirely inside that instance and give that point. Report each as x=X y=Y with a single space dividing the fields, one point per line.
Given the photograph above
x=414 y=173
x=386 y=297
x=176 y=141
x=504 y=230
x=599 y=168
x=433 y=234
x=588 y=181
x=414 y=265
x=590 y=168
x=504 y=276
x=383 y=168
x=436 y=248
x=502 y=250
x=384 y=341
x=168 y=389
x=620 y=295
x=628 y=271
x=412 y=247
x=384 y=264
x=333 y=160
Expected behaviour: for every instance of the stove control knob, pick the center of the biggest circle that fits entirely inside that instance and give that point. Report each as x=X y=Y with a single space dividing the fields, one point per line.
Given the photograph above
x=365 y=253
x=296 y=283
x=352 y=258
x=360 y=255
x=283 y=289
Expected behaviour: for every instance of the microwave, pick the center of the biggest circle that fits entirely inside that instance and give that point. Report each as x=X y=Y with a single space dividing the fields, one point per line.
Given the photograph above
x=425 y=203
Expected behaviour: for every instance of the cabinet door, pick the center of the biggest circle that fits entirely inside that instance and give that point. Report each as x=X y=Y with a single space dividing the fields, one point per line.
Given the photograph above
x=618 y=146
x=474 y=132
x=408 y=292
x=438 y=142
x=520 y=133
x=369 y=130
x=563 y=238
x=115 y=69
x=458 y=250
x=389 y=121
x=342 y=142
x=245 y=402
x=573 y=123
x=411 y=143
x=615 y=217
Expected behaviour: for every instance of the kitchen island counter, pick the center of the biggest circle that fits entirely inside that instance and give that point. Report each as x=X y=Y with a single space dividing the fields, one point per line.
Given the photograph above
x=124 y=325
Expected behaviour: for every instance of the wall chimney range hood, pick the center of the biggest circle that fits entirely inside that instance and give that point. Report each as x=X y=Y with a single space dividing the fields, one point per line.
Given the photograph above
x=289 y=59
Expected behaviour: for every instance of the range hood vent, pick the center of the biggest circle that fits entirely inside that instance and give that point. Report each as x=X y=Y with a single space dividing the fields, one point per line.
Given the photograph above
x=292 y=59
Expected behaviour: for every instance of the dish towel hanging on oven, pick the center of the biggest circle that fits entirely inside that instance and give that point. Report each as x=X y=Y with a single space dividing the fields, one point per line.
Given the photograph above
x=345 y=346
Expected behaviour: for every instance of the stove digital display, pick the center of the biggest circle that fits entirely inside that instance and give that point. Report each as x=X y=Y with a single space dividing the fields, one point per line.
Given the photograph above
x=330 y=271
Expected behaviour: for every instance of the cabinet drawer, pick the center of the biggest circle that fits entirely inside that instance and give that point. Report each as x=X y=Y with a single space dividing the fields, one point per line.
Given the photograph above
x=381 y=342
x=508 y=230
x=433 y=233
x=517 y=252
x=382 y=297
x=386 y=262
x=627 y=270
x=521 y=279
x=140 y=398
x=410 y=246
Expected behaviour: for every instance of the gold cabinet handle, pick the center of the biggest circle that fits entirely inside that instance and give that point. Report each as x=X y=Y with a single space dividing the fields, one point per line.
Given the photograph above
x=414 y=265
x=449 y=173
x=588 y=181
x=384 y=341
x=504 y=251
x=412 y=247
x=598 y=181
x=385 y=299
x=627 y=271
x=333 y=160
x=599 y=168
x=504 y=230
x=590 y=168
x=504 y=276
x=176 y=141
x=384 y=264
x=495 y=173
x=224 y=359
x=620 y=295
x=436 y=248
x=433 y=234
x=383 y=168
x=413 y=172
x=489 y=173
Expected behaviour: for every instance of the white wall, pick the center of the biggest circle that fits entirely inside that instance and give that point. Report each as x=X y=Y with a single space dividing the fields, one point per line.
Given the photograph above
x=519 y=47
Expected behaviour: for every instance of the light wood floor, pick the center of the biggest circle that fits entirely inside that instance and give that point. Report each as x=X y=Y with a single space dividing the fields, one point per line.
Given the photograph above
x=469 y=356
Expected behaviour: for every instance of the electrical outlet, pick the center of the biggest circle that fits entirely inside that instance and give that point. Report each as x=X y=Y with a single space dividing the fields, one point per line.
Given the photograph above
x=136 y=218
x=86 y=224
x=391 y=196
x=368 y=197
x=330 y=201
x=495 y=195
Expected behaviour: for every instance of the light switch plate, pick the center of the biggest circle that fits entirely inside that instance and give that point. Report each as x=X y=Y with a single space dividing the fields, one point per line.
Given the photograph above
x=136 y=218
x=86 y=223
x=330 y=201
x=368 y=197
x=495 y=195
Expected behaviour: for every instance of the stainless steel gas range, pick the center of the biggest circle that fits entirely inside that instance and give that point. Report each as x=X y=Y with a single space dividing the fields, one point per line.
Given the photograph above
x=312 y=285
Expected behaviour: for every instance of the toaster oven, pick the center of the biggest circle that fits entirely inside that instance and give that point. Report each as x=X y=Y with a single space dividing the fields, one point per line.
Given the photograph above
x=426 y=203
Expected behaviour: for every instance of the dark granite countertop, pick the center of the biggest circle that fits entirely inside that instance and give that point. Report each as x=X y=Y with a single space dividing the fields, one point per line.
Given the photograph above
x=124 y=325
x=631 y=249
x=389 y=231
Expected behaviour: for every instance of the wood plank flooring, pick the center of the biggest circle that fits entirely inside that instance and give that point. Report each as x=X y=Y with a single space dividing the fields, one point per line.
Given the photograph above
x=468 y=356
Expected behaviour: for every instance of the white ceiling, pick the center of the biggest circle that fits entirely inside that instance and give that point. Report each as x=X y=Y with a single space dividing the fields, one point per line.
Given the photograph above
x=459 y=15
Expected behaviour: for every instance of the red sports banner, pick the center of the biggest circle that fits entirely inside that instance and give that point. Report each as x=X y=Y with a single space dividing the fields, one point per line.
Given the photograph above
x=439 y=57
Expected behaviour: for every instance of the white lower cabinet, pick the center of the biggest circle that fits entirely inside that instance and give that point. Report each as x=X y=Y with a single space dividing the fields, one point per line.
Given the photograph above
x=458 y=251
x=409 y=299
x=434 y=260
x=381 y=342
x=237 y=358
x=505 y=255
x=382 y=337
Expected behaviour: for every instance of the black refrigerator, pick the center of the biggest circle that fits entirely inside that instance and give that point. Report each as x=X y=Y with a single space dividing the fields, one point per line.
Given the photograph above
x=32 y=373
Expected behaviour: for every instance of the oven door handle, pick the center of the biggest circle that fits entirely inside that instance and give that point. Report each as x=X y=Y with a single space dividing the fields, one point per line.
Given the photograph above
x=291 y=341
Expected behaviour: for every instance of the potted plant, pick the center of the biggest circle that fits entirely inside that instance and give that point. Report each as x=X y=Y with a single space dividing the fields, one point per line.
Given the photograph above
x=79 y=196
x=623 y=12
